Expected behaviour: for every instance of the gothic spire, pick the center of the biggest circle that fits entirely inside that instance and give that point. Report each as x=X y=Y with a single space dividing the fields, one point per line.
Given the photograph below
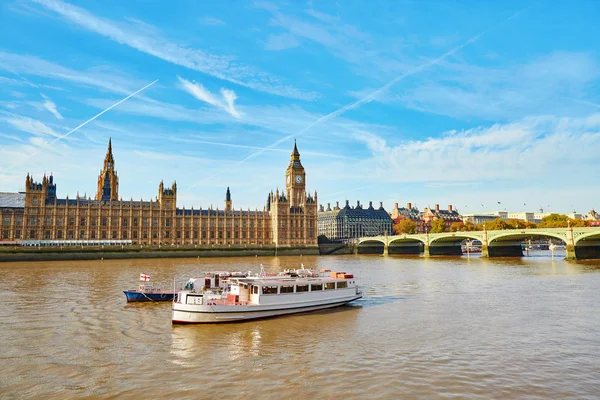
x=228 y=195
x=109 y=161
x=295 y=153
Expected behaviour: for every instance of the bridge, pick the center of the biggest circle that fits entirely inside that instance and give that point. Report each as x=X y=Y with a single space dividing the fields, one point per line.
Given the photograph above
x=581 y=243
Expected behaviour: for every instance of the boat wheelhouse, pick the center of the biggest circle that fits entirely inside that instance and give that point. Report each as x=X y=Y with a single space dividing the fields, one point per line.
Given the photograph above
x=253 y=297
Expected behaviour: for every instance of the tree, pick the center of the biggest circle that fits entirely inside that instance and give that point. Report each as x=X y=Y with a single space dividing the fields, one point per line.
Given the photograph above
x=496 y=225
x=576 y=222
x=516 y=223
x=457 y=227
x=554 y=221
x=469 y=226
x=438 y=225
x=405 y=226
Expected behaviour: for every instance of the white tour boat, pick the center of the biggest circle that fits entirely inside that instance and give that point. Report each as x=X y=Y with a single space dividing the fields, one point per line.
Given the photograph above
x=251 y=297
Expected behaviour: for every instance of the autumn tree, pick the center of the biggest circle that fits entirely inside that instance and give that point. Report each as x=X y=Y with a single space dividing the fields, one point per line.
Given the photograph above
x=513 y=223
x=438 y=225
x=496 y=225
x=469 y=226
x=405 y=226
x=457 y=227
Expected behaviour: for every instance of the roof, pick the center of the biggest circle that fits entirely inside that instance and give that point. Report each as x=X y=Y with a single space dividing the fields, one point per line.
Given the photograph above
x=12 y=200
x=347 y=211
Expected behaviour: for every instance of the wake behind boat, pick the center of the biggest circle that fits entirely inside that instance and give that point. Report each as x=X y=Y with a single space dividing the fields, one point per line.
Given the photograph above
x=252 y=297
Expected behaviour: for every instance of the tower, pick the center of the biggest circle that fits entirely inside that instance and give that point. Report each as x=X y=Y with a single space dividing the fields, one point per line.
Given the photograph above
x=295 y=179
x=108 y=182
x=228 y=206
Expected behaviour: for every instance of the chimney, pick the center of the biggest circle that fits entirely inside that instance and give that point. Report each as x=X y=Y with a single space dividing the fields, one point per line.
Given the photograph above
x=328 y=207
x=347 y=202
x=357 y=204
x=395 y=206
x=381 y=204
x=437 y=208
x=409 y=206
x=450 y=207
x=337 y=205
x=370 y=204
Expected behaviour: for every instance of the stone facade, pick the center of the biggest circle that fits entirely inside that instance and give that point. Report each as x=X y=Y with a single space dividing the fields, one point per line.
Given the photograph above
x=288 y=219
x=350 y=223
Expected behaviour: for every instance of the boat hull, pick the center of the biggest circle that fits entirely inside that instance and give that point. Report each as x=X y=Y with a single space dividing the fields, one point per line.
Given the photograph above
x=208 y=316
x=137 y=296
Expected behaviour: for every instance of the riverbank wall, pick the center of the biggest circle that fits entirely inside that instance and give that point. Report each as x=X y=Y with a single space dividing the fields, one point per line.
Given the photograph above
x=129 y=252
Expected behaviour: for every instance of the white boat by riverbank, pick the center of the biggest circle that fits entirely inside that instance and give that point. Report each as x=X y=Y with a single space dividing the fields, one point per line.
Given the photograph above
x=264 y=296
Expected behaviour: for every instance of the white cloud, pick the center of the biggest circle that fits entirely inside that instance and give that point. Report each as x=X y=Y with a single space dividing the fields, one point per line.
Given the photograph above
x=219 y=66
x=281 y=42
x=31 y=126
x=51 y=106
x=203 y=94
x=110 y=81
x=538 y=148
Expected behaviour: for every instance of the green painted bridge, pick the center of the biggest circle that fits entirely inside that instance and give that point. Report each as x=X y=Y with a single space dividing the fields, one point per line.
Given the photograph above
x=581 y=243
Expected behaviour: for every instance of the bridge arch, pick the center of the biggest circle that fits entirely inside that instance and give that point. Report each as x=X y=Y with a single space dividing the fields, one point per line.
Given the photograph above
x=370 y=246
x=454 y=238
x=520 y=235
x=595 y=235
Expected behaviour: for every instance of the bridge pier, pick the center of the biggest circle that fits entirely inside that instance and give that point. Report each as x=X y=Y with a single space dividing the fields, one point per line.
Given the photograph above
x=386 y=251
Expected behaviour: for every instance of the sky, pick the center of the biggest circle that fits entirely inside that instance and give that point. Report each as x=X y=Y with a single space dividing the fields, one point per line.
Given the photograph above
x=483 y=105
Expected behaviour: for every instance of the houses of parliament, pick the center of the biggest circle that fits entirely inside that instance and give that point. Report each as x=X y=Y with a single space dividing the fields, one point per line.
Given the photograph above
x=288 y=218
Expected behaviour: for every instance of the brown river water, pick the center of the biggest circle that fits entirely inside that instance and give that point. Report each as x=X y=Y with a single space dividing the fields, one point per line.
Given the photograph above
x=426 y=328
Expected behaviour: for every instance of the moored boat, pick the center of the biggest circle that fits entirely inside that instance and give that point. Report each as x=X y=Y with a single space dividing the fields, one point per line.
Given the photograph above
x=252 y=297
x=149 y=293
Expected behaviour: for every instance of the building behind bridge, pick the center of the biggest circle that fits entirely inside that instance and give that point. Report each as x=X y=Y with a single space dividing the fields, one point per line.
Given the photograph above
x=527 y=216
x=424 y=219
x=348 y=223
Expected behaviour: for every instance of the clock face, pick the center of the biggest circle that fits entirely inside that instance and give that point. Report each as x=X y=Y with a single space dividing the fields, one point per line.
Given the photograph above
x=298 y=178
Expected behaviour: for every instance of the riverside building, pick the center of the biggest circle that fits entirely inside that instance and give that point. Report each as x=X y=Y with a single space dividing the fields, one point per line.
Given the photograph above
x=38 y=216
x=348 y=223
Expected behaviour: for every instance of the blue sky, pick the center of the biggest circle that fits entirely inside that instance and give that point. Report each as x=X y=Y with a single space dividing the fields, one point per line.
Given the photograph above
x=449 y=102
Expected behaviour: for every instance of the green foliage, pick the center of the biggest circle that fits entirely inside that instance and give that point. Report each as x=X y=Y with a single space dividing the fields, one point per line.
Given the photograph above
x=560 y=221
x=554 y=221
x=405 y=226
x=438 y=225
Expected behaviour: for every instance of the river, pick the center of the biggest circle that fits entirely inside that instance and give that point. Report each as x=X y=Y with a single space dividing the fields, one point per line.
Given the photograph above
x=426 y=328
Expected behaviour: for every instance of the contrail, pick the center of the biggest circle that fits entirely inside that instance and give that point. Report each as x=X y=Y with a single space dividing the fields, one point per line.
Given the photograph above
x=88 y=121
x=373 y=94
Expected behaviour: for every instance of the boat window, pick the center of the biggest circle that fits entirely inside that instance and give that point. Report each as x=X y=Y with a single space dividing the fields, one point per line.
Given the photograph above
x=301 y=288
x=330 y=286
x=286 y=289
x=269 y=289
x=255 y=289
x=342 y=285
x=316 y=286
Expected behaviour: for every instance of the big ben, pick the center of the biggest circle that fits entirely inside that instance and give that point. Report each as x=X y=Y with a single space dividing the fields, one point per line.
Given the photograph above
x=295 y=180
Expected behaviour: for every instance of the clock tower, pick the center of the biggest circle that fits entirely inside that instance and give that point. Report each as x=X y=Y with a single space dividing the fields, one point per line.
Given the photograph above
x=295 y=182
